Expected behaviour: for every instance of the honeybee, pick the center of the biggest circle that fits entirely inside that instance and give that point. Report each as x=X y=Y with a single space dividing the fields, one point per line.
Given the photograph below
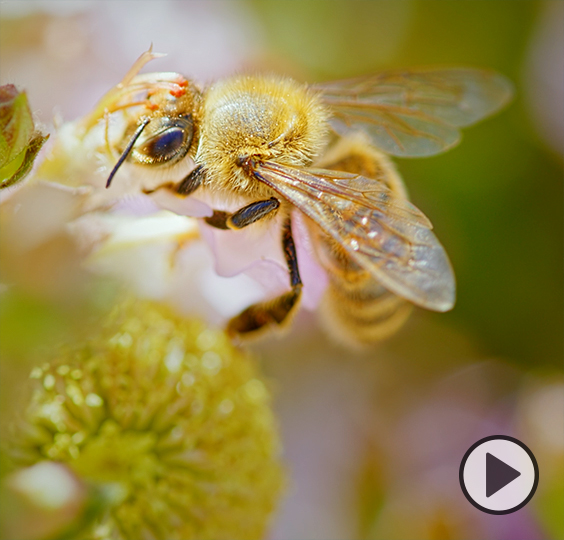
x=278 y=145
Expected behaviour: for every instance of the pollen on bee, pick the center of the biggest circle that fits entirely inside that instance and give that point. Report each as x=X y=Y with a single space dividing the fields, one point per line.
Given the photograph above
x=178 y=93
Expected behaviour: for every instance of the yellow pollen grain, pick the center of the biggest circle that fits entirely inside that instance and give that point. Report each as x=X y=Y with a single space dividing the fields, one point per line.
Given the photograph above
x=211 y=362
x=62 y=439
x=36 y=373
x=174 y=357
x=73 y=391
x=125 y=340
x=255 y=391
x=49 y=382
x=78 y=437
x=206 y=340
x=188 y=379
x=226 y=407
x=63 y=370
x=93 y=400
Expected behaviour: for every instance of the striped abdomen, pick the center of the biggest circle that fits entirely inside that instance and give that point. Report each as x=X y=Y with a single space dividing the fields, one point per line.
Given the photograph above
x=357 y=309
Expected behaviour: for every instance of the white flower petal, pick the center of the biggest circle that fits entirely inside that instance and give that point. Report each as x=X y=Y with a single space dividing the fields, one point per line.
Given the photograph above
x=184 y=206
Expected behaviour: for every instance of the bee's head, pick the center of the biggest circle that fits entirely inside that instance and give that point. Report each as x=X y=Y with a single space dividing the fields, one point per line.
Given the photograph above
x=164 y=132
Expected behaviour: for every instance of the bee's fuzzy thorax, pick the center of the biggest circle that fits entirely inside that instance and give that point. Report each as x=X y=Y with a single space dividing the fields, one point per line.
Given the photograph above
x=267 y=117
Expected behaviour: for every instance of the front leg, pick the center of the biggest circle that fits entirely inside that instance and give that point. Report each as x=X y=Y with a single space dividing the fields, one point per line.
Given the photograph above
x=244 y=216
x=277 y=310
x=186 y=186
x=192 y=182
x=222 y=220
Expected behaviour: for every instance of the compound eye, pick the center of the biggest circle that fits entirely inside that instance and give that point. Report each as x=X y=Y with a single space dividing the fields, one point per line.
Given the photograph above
x=168 y=143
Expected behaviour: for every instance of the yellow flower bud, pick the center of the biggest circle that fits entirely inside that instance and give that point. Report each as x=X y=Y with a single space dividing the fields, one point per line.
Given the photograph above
x=171 y=415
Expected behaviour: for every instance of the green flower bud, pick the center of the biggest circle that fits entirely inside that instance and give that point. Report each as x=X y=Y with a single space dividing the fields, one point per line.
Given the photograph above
x=171 y=415
x=19 y=141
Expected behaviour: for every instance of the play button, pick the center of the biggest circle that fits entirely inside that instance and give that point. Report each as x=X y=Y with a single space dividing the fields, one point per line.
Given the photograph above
x=499 y=474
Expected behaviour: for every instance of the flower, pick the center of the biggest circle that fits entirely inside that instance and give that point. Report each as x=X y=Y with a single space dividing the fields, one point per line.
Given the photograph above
x=167 y=412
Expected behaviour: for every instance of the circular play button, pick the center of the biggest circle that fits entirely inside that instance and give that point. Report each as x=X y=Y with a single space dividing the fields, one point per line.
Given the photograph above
x=499 y=474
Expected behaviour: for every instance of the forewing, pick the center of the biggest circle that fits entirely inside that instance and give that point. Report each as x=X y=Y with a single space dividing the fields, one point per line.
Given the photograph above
x=416 y=112
x=384 y=234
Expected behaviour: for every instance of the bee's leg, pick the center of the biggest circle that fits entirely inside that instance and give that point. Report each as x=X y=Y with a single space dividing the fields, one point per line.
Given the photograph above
x=274 y=311
x=244 y=216
x=192 y=182
x=186 y=186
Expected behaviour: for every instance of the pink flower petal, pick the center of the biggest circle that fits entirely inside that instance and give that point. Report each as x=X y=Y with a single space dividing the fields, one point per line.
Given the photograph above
x=314 y=276
x=257 y=253
x=236 y=251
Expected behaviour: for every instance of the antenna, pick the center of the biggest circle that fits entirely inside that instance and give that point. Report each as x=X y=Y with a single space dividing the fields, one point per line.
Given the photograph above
x=127 y=150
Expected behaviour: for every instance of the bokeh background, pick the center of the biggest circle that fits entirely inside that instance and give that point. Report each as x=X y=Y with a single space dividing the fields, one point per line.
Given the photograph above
x=372 y=440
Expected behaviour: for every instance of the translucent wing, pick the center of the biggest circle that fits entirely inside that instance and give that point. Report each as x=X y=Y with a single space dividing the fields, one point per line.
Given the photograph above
x=386 y=235
x=415 y=112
